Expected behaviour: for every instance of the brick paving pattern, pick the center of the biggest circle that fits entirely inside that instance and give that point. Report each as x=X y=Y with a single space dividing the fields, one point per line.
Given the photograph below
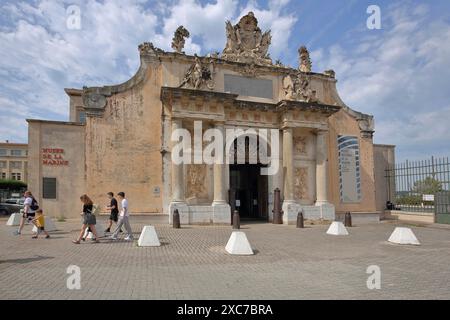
x=192 y=263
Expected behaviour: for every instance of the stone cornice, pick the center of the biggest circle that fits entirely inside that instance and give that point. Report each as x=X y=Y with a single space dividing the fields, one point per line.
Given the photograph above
x=170 y=94
x=325 y=109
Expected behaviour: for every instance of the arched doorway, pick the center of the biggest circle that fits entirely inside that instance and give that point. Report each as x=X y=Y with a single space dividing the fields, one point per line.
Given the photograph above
x=248 y=188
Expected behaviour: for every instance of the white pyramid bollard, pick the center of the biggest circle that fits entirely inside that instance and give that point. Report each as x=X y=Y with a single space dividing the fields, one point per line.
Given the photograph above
x=98 y=228
x=49 y=225
x=14 y=219
x=403 y=236
x=148 y=237
x=337 y=228
x=238 y=244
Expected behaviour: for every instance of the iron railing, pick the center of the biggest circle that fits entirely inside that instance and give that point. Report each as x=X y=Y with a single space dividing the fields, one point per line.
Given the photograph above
x=414 y=185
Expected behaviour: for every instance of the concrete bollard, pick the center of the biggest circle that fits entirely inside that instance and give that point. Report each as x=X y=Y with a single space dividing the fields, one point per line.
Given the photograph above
x=236 y=220
x=176 y=219
x=300 y=220
x=348 y=219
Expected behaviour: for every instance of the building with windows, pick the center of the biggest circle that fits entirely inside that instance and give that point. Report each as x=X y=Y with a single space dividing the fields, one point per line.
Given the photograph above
x=13 y=161
x=120 y=138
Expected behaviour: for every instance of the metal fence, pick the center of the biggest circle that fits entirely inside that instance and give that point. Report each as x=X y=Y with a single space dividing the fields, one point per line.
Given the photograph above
x=414 y=185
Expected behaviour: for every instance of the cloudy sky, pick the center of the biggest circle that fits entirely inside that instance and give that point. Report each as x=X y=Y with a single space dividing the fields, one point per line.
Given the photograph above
x=400 y=74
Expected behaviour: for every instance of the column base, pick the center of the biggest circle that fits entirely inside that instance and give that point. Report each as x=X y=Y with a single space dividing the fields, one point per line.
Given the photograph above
x=290 y=211
x=327 y=210
x=221 y=212
x=183 y=210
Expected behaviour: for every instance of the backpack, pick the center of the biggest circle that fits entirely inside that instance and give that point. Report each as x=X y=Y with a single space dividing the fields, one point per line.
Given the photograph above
x=95 y=209
x=34 y=204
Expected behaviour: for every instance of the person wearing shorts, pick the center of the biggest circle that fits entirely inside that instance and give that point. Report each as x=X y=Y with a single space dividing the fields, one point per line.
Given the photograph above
x=29 y=210
x=114 y=211
x=39 y=222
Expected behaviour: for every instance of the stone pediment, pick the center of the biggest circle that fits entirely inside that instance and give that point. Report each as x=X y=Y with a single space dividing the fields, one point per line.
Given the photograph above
x=246 y=43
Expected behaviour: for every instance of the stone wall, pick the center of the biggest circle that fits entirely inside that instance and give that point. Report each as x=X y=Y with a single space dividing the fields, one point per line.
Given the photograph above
x=123 y=147
x=70 y=178
x=342 y=123
x=384 y=158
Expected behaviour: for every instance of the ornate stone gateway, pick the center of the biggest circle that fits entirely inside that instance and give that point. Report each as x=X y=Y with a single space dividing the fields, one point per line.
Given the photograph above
x=204 y=98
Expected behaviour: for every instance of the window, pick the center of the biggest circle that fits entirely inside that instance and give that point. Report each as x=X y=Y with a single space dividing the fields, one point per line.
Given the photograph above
x=17 y=153
x=82 y=117
x=2 y=152
x=2 y=164
x=15 y=164
x=16 y=176
x=49 y=188
x=3 y=175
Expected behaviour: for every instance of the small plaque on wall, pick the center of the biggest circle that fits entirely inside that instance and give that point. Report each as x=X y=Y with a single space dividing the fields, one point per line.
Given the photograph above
x=156 y=191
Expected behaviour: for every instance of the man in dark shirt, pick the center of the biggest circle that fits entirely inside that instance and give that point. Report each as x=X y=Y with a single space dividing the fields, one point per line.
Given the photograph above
x=113 y=207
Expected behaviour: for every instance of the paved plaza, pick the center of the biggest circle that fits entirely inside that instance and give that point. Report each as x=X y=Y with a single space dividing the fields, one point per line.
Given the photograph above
x=289 y=263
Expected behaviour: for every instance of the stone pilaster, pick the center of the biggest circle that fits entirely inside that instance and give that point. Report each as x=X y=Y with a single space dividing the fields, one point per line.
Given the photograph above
x=326 y=209
x=221 y=209
x=290 y=206
x=178 y=200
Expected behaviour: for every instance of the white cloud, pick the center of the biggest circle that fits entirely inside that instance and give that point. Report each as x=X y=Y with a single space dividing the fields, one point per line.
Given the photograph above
x=39 y=55
x=400 y=75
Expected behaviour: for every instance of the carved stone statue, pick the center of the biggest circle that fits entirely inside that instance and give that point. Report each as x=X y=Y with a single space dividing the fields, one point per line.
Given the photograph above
x=178 y=39
x=197 y=76
x=304 y=64
x=297 y=87
x=246 y=43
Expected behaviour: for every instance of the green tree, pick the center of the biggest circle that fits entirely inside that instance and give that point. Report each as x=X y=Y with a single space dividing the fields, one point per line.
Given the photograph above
x=429 y=185
x=12 y=184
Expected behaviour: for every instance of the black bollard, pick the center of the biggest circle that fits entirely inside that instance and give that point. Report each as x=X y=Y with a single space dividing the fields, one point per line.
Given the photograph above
x=348 y=219
x=176 y=219
x=277 y=212
x=300 y=220
x=236 y=220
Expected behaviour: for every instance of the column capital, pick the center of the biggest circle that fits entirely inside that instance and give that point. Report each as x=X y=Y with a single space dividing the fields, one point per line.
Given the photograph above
x=219 y=124
x=321 y=131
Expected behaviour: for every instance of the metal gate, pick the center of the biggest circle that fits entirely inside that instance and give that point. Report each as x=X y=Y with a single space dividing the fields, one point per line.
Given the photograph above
x=442 y=207
x=420 y=186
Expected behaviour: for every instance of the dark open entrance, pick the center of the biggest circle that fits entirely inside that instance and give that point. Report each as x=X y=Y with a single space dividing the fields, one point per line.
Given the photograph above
x=248 y=191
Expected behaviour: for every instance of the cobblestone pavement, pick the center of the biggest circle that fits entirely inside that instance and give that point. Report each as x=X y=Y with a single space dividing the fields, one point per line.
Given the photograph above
x=289 y=263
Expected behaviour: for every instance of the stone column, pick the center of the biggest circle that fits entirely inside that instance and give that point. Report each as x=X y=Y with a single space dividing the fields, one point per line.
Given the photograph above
x=178 y=200
x=219 y=175
x=326 y=209
x=321 y=168
x=177 y=171
x=290 y=206
x=288 y=164
x=221 y=209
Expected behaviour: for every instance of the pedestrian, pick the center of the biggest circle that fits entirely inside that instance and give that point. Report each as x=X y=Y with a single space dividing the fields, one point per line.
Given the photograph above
x=123 y=219
x=89 y=219
x=39 y=222
x=114 y=211
x=30 y=206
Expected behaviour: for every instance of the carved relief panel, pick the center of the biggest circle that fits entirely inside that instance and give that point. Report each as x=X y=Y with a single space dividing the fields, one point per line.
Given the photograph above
x=196 y=181
x=301 y=183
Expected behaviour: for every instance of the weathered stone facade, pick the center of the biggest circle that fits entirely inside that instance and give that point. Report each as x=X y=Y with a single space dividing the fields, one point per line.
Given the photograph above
x=125 y=143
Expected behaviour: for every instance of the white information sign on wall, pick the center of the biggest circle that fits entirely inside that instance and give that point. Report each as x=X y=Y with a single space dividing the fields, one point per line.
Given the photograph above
x=349 y=169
